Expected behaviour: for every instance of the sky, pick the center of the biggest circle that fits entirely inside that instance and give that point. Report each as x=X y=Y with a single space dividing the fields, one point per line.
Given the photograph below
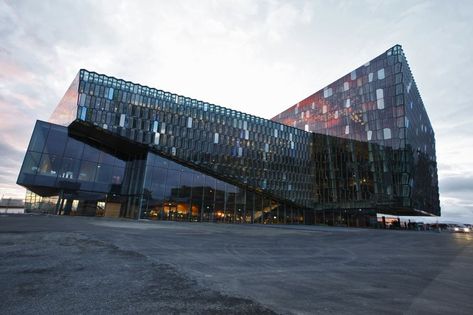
x=259 y=57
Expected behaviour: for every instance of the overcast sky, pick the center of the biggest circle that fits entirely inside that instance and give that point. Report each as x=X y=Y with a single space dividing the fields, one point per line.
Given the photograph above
x=259 y=57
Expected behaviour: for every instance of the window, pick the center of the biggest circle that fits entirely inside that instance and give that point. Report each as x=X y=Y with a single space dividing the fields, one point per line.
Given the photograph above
x=380 y=103
x=39 y=137
x=82 y=113
x=379 y=94
x=381 y=74
x=327 y=92
x=387 y=133
x=56 y=141
x=110 y=94
x=409 y=86
x=70 y=168
x=31 y=163
x=155 y=126
x=380 y=98
x=346 y=86
x=353 y=75
x=87 y=171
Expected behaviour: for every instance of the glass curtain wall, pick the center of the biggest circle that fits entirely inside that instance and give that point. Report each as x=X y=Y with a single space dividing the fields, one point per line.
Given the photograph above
x=178 y=193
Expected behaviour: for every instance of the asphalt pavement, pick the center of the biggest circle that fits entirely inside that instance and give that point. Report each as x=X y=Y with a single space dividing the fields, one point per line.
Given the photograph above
x=69 y=265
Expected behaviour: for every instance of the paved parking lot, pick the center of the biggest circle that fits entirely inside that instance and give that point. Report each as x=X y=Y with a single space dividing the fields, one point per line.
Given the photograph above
x=54 y=264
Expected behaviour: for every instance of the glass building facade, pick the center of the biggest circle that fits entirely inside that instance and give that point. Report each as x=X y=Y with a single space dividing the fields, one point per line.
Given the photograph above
x=375 y=146
x=362 y=145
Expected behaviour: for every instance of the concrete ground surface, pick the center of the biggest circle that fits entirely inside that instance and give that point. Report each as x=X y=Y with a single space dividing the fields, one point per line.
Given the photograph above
x=69 y=265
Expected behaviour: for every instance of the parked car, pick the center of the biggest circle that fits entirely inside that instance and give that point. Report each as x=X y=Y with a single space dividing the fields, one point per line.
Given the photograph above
x=459 y=228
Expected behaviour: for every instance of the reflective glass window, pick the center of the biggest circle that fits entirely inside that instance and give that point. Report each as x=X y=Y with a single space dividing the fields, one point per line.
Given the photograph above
x=104 y=173
x=219 y=201
x=197 y=196
x=56 y=142
x=106 y=158
x=87 y=171
x=38 y=139
x=50 y=165
x=209 y=198
x=31 y=163
x=70 y=168
x=173 y=179
x=91 y=154
x=249 y=209
x=117 y=175
x=230 y=203
x=74 y=148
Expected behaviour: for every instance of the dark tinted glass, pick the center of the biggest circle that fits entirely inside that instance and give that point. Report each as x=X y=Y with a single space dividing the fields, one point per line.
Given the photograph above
x=87 y=171
x=104 y=173
x=56 y=142
x=106 y=158
x=117 y=175
x=74 y=148
x=70 y=168
x=38 y=139
x=91 y=154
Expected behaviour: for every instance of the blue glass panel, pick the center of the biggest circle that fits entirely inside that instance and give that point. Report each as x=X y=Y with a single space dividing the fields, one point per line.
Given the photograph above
x=104 y=173
x=29 y=168
x=69 y=169
x=82 y=113
x=50 y=165
x=74 y=148
x=106 y=158
x=117 y=175
x=110 y=94
x=173 y=179
x=87 y=171
x=56 y=142
x=91 y=154
x=38 y=139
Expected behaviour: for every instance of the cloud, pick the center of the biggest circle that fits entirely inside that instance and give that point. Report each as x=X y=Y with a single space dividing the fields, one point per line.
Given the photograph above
x=9 y=169
x=259 y=57
x=455 y=184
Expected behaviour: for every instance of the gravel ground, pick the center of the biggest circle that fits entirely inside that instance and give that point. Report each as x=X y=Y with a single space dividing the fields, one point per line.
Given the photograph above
x=70 y=273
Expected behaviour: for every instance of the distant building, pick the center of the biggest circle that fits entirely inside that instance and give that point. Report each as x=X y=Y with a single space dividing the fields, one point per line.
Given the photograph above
x=362 y=145
x=11 y=205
